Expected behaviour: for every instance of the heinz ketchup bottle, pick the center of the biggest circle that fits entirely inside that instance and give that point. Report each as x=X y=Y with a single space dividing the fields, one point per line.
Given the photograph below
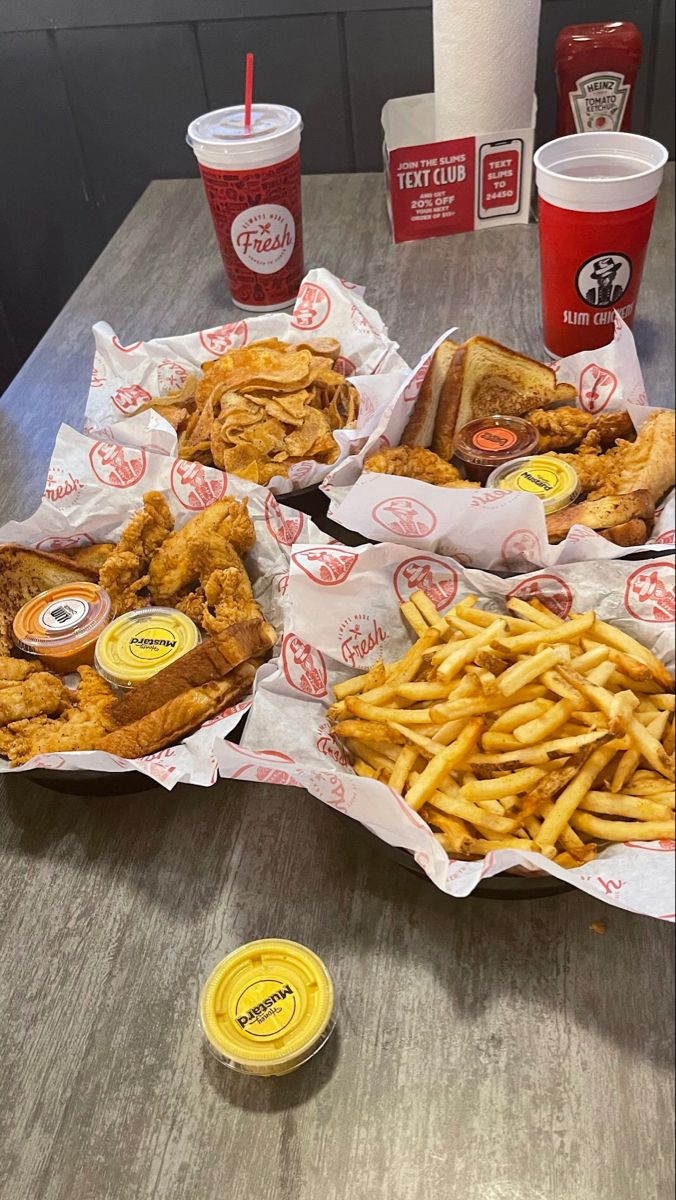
x=596 y=69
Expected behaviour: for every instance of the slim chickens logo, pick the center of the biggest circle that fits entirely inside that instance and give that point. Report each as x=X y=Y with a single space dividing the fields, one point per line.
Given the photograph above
x=335 y=790
x=327 y=566
x=550 y=590
x=649 y=592
x=285 y=526
x=196 y=486
x=520 y=548
x=358 y=637
x=667 y=538
x=72 y=541
x=312 y=307
x=597 y=386
x=255 y=771
x=405 y=516
x=118 y=466
x=359 y=321
x=327 y=744
x=170 y=376
x=412 y=389
x=487 y=499
x=125 y=349
x=303 y=666
x=128 y=399
x=224 y=337
x=435 y=578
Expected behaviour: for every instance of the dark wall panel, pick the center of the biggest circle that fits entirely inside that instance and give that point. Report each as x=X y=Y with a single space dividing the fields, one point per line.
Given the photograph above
x=389 y=54
x=662 y=115
x=133 y=91
x=49 y=226
x=556 y=14
x=298 y=62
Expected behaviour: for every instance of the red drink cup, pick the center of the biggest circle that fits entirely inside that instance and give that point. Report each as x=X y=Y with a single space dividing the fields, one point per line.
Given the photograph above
x=597 y=195
x=252 y=181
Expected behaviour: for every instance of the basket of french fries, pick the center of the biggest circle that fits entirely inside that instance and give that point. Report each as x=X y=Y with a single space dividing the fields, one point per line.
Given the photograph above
x=507 y=463
x=275 y=399
x=483 y=725
x=136 y=606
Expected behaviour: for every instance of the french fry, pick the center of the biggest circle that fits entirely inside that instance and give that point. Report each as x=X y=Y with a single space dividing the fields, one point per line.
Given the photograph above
x=543 y=752
x=363 y=768
x=527 y=669
x=668 y=740
x=448 y=758
x=360 y=683
x=537 y=616
x=621 y=712
x=504 y=785
x=456 y=806
x=458 y=838
x=623 y=831
x=406 y=760
x=635 y=807
x=499 y=742
x=415 y=620
x=374 y=712
x=483 y=846
x=455 y=710
x=643 y=741
x=567 y=631
x=663 y=700
x=428 y=611
x=366 y=731
x=569 y=799
x=548 y=788
x=543 y=727
x=489 y=661
x=609 y=635
x=519 y=714
x=465 y=651
x=591 y=658
x=423 y=691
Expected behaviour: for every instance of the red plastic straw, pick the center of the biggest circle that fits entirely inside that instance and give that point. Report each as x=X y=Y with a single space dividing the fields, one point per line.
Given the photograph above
x=248 y=91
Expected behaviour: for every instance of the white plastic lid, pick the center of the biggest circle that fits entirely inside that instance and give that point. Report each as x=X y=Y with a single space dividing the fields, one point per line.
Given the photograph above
x=600 y=172
x=220 y=138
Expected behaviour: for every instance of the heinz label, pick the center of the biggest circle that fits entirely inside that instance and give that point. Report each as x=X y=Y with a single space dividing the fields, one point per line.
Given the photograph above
x=599 y=101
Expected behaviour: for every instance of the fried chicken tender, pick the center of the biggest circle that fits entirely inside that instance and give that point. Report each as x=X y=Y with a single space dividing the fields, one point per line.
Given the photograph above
x=14 y=670
x=203 y=545
x=415 y=463
x=644 y=465
x=564 y=428
x=81 y=725
x=229 y=598
x=125 y=572
x=39 y=694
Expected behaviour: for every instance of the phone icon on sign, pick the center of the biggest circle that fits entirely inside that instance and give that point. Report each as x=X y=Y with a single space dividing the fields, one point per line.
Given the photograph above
x=500 y=178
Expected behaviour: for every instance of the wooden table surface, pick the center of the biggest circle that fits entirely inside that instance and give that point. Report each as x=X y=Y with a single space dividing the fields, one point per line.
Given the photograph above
x=487 y=1050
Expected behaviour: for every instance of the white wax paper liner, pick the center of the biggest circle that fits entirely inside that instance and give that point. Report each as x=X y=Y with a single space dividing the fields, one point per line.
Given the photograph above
x=92 y=490
x=343 y=614
x=126 y=377
x=493 y=530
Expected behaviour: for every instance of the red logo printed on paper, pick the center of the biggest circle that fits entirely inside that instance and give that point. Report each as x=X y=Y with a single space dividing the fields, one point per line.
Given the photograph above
x=550 y=590
x=581 y=533
x=60 y=486
x=333 y=790
x=327 y=566
x=344 y=366
x=649 y=592
x=413 y=386
x=663 y=846
x=405 y=516
x=117 y=466
x=359 y=321
x=482 y=499
x=71 y=541
x=128 y=399
x=263 y=237
x=520 y=546
x=284 y=528
x=195 y=486
x=303 y=666
x=666 y=539
x=436 y=579
x=170 y=377
x=125 y=349
x=218 y=341
x=300 y=472
x=99 y=373
x=359 y=636
x=327 y=744
x=283 y=585
x=596 y=387
x=312 y=307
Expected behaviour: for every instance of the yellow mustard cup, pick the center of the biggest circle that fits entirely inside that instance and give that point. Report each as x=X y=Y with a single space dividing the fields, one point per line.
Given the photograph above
x=268 y=1007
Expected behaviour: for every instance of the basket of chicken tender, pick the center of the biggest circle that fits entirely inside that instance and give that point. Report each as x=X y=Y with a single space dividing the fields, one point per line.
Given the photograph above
x=483 y=726
x=136 y=606
x=508 y=463
x=276 y=399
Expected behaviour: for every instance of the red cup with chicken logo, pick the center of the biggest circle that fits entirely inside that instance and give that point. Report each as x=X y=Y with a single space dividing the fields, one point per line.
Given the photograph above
x=597 y=195
x=251 y=176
